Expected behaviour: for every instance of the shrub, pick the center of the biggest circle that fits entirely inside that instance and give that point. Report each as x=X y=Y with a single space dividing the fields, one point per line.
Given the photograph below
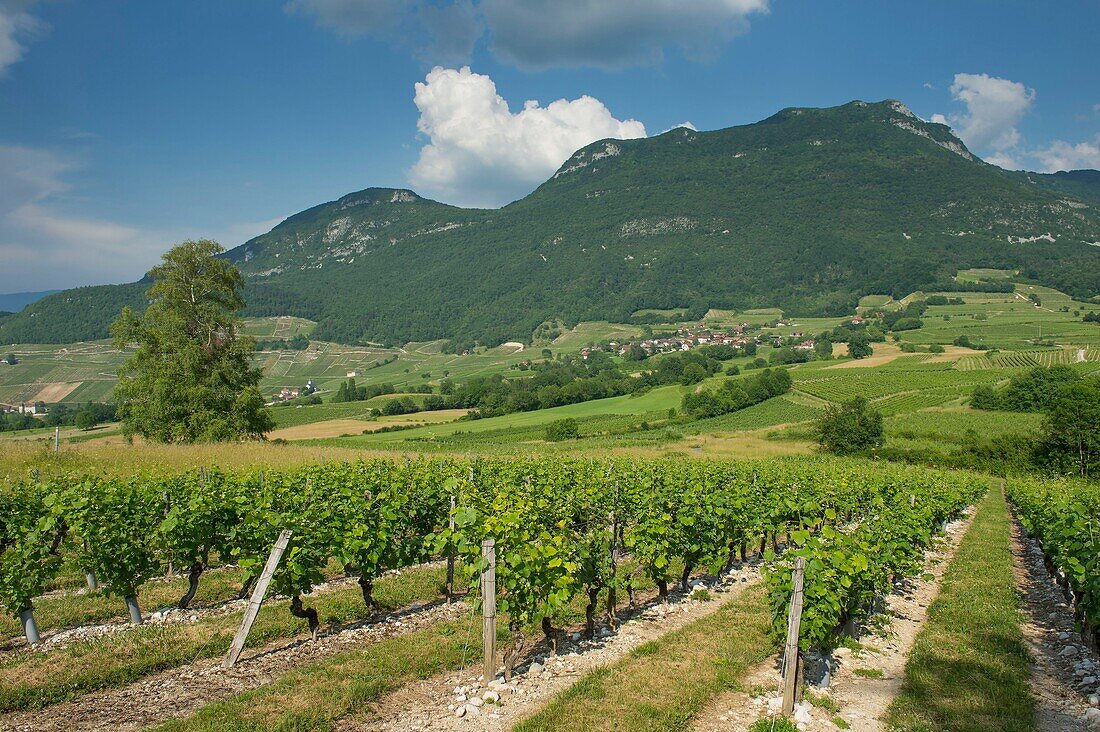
x=851 y=428
x=562 y=429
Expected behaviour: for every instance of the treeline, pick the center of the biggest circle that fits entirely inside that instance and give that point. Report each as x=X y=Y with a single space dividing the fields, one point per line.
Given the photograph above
x=736 y=394
x=984 y=286
x=1034 y=391
x=908 y=318
x=84 y=415
x=1069 y=440
x=298 y=343
x=574 y=379
x=350 y=392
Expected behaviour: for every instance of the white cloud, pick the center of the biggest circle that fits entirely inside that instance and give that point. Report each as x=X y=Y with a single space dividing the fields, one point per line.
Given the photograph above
x=42 y=246
x=540 y=34
x=16 y=23
x=1004 y=160
x=1062 y=155
x=685 y=124
x=481 y=153
x=1096 y=108
x=993 y=108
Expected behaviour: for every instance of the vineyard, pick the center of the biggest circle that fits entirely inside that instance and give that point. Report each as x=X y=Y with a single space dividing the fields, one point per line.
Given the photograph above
x=881 y=383
x=1064 y=515
x=566 y=530
x=1029 y=359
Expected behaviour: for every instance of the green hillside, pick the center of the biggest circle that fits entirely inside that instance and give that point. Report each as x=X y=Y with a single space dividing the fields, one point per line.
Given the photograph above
x=807 y=211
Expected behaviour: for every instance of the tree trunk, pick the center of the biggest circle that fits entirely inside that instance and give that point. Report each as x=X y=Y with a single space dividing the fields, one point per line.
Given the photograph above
x=519 y=641
x=744 y=550
x=590 y=612
x=193 y=575
x=685 y=577
x=548 y=631
x=662 y=591
x=731 y=557
x=246 y=588
x=308 y=614
x=366 y=584
x=135 y=611
x=30 y=628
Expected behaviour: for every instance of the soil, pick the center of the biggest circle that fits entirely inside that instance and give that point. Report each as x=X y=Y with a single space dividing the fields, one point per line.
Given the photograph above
x=55 y=392
x=862 y=700
x=432 y=704
x=182 y=691
x=1065 y=674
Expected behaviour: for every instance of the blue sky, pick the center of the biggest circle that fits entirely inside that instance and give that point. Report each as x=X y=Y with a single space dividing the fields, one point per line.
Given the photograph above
x=127 y=126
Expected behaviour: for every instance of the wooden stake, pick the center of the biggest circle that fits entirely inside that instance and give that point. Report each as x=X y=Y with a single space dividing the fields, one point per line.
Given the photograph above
x=56 y=439
x=489 y=609
x=451 y=554
x=611 y=598
x=791 y=660
x=257 y=598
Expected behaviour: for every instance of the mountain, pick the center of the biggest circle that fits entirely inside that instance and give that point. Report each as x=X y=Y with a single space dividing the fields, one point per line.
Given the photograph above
x=13 y=302
x=806 y=210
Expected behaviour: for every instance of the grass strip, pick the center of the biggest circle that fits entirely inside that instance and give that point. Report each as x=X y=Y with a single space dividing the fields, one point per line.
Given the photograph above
x=53 y=612
x=314 y=696
x=344 y=686
x=968 y=669
x=664 y=683
x=34 y=680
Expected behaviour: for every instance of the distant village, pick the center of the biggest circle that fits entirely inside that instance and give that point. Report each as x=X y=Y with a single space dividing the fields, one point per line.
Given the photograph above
x=689 y=337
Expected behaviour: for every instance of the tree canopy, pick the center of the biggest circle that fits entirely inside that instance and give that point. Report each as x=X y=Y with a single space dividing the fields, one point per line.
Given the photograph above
x=190 y=377
x=851 y=428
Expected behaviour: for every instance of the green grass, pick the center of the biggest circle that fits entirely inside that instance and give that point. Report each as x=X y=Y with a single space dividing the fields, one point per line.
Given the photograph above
x=662 y=398
x=951 y=425
x=315 y=696
x=968 y=670
x=32 y=680
x=69 y=610
x=664 y=683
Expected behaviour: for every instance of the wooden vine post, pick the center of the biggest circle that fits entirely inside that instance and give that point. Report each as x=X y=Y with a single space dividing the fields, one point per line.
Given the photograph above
x=791 y=661
x=489 y=609
x=257 y=598
x=451 y=555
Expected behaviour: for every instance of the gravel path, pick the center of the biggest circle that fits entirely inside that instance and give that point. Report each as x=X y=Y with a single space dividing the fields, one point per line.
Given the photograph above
x=1065 y=675
x=182 y=691
x=460 y=701
x=861 y=700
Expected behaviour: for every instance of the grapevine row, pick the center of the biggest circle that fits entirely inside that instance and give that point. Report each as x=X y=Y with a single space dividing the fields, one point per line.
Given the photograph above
x=563 y=527
x=1064 y=515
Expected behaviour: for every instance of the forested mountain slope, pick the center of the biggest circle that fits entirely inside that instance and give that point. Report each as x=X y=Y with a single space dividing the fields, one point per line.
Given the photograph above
x=806 y=210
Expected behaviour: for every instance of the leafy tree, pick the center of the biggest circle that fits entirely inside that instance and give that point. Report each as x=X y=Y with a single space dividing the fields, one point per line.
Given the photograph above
x=693 y=374
x=823 y=347
x=11 y=359
x=562 y=429
x=191 y=377
x=86 y=420
x=859 y=346
x=1071 y=431
x=851 y=428
x=985 y=397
